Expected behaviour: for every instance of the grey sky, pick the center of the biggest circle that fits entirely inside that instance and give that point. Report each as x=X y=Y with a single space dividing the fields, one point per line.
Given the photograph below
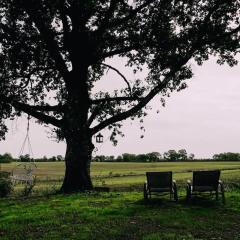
x=204 y=119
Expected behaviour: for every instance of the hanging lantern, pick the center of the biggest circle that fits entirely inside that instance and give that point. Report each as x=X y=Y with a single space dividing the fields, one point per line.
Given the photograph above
x=99 y=138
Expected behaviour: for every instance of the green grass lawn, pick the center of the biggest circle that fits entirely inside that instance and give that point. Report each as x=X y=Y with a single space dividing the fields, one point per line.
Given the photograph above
x=119 y=216
x=122 y=213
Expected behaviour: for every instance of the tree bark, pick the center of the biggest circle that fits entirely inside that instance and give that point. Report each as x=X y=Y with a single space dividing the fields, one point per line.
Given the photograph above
x=77 y=160
x=77 y=134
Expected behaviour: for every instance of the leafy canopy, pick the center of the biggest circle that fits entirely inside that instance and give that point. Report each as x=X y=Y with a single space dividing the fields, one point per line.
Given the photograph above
x=44 y=43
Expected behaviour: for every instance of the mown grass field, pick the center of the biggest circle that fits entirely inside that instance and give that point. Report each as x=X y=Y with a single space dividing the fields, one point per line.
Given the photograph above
x=122 y=213
x=131 y=175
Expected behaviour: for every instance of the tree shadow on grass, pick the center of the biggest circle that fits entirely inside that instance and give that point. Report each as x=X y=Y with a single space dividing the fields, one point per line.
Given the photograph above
x=196 y=201
x=157 y=202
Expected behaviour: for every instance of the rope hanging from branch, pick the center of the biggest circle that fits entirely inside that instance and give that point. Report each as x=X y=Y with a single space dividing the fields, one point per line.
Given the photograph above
x=27 y=141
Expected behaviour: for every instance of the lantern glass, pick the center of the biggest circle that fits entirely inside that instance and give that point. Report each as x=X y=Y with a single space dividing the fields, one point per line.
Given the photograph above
x=99 y=138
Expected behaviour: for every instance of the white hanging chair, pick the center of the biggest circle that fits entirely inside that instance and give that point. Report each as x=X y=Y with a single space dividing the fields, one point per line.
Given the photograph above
x=23 y=172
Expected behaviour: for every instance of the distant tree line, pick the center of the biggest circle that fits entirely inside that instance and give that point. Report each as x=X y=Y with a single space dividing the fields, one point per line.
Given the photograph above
x=7 y=158
x=228 y=156
x=27 y=158
x=169 y=156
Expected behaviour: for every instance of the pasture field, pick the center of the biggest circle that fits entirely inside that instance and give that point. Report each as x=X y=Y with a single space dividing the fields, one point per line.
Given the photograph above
x=129 y=175
x=55 y=170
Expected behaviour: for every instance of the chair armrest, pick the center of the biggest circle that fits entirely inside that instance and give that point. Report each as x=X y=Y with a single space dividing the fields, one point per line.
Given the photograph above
x=189 y=182
x=220 y=182
x=174 y=183
x=146 y=187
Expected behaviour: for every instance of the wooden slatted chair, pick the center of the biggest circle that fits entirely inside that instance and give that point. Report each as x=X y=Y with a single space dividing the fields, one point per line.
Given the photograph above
x=159 y=183
x=205 y=181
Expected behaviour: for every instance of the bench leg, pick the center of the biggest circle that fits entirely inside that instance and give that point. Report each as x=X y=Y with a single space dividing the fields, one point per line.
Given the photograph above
x=223 y=194
x=145 y=193
x=217 y=194
x=175 y=193
x=189 y=194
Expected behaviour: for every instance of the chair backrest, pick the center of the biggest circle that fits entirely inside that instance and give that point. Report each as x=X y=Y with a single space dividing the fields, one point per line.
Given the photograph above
x=206 y=178
x=159 y=179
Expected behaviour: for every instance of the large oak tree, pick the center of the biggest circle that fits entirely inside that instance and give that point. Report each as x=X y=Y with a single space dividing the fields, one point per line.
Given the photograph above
x=53 y=52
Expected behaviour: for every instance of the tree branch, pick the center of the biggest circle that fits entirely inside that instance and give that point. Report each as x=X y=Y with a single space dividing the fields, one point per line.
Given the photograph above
x=126 y=114
x=95 y=112
x=233 y=31
x=66 y=27
x=48 y=108
x=108 y=15
x=116 y=99
x=145 y=100
x=162 y=85
x=132 y=14
x=120 y=51
x=136 y=108
x=100 y=103
x=31 y=111
x=119 y=73
x=48 y=37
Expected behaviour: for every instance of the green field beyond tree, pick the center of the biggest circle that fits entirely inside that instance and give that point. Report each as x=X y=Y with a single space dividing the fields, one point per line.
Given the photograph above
x=130 y=175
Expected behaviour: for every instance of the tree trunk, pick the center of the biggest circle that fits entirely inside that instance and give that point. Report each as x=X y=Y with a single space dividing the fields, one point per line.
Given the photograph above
x=77 y=133
x=78 y=159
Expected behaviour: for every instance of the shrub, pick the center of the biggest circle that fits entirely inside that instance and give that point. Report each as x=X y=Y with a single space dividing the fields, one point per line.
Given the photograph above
x=28 y=188
x=6 y=186
x=4 y=174
x=6 y=158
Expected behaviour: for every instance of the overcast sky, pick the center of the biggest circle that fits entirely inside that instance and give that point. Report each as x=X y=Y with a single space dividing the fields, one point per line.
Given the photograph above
x=204 y=119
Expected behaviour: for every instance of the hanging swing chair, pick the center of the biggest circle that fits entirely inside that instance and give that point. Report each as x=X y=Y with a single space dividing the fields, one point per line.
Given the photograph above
x=23 y=172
